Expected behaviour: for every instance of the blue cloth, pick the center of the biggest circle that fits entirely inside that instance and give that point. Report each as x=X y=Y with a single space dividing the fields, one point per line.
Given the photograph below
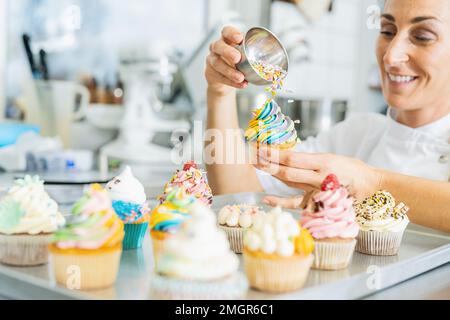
x=10 y=132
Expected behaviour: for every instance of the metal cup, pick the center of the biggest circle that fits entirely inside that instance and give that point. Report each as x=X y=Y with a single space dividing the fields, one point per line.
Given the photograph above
x=261 y=45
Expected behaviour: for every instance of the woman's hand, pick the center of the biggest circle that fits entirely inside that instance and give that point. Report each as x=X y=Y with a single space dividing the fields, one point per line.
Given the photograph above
x=221 y=72
x=307 y=171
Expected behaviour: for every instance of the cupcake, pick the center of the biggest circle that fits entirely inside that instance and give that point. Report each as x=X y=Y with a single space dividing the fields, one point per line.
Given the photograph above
x=166 y=219
x=193 y=180
x=382 y=224
x=90 y=245
x=331 y=220
x=130 y=204
x=28 y=217
x=277 y=253
x=271 y=127
x=235 y=220
x=197 y=263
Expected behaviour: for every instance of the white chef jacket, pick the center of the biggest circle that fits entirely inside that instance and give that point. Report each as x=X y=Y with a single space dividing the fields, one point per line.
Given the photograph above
x=382 y=142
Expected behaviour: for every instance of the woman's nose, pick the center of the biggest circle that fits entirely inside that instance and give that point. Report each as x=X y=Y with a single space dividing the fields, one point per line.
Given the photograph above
x=396 y=53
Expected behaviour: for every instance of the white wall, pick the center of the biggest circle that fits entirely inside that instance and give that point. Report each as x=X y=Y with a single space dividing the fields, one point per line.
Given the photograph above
x=3 y=34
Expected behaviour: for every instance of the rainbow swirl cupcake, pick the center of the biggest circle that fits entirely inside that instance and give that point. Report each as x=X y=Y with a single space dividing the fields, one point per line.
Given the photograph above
x=86 y=252
x=130 y=203
x=193 y=180
x=167 y=218
x=271 y=127
x=331 y=220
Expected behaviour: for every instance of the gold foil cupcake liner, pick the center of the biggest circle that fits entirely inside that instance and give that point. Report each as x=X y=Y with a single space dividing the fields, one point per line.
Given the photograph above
x=24 y=250
x=333 y=255
x=88 y=271
x=277 y=275
x=378 y=243
x=235 y=237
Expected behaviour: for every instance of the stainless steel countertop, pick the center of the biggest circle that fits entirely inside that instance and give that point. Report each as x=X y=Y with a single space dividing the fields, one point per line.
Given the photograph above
x=433 y=284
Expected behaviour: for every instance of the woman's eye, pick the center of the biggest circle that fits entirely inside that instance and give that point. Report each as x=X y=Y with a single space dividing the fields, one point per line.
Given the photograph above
x=423 y=38
x=387 y=33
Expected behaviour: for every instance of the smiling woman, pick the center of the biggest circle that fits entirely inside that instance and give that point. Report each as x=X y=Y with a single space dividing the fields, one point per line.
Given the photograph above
x=413 y=53
x=366 y=150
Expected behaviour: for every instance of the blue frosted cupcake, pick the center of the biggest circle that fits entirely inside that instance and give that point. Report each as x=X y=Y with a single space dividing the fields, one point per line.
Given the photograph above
x=130 y=203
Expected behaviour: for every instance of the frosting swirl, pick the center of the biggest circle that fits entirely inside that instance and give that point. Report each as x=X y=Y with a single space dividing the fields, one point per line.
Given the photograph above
x=125 y=187
x=193 y=181
x=331 y=215
x=199 y=251
x=28 y=209
x=277 y=233
x=94 y=224
x=168 y=216
x=379 y=212
x=270 y=126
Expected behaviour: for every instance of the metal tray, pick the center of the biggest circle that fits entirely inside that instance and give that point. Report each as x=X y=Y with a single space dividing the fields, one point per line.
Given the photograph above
x=422 y=250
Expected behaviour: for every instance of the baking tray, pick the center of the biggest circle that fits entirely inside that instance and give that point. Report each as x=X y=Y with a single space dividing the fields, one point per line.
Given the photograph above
x=422 y=250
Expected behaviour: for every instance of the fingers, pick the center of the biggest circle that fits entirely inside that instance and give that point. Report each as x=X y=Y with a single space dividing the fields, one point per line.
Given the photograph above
x=291 y=158
x=224 y=69
x=232 y=35
x=214 y=77
x=287 y=203
x=290 y=175
x=224 y=50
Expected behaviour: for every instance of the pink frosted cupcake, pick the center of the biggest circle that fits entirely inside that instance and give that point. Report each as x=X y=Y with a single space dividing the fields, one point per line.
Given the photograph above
x=193 y=180
x=331 y=220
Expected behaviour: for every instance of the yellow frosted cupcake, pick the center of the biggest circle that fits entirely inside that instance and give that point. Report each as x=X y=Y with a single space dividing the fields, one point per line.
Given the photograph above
x=277 y=253
x=28 y=217
x=85 y=254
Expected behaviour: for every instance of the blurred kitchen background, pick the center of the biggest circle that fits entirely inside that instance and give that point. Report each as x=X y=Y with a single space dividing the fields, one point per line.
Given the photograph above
x=88 y=85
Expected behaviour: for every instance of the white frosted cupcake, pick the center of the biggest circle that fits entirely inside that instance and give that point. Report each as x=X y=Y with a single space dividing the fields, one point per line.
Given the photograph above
x=382 y=224
x=277 y=253
x=235 y=220
x=28 y=217
x=197 y=262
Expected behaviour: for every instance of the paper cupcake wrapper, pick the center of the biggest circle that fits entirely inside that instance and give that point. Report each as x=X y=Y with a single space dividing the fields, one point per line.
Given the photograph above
x=24 y=250
x=378 y=243
x=235 y=237
x=86 y=271
x=277 y=275
x=331 y=255
x=134 y=235
x=231 y=288
x=158 y=247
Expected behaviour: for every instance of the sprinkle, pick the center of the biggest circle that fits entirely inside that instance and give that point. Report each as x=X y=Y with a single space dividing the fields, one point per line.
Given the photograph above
x=272 y=73
x=291 y=101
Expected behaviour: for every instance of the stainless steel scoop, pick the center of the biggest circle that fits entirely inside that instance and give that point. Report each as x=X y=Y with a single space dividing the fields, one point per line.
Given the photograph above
x=261 y=45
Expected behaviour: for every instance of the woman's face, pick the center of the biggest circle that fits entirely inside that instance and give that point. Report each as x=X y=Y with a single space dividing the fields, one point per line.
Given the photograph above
x=413 y=52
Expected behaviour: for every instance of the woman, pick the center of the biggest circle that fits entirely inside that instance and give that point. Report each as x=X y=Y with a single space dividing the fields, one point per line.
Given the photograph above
x=413 y=52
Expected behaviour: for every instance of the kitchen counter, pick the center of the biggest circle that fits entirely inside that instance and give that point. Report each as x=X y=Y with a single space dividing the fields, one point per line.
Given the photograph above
x=433 y=284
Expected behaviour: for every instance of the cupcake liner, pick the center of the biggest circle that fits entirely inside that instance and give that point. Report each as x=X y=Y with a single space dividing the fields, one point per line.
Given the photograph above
x=235 y=237
x=233 y=287
x=134 y=235
x=24 y=250
x=277 y=275
x=333 y=255
x=158 y=247
x=86 y=271
x=378 y=243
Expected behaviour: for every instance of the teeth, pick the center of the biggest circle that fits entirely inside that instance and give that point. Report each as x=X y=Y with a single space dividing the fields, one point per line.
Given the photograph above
x=401 y=79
